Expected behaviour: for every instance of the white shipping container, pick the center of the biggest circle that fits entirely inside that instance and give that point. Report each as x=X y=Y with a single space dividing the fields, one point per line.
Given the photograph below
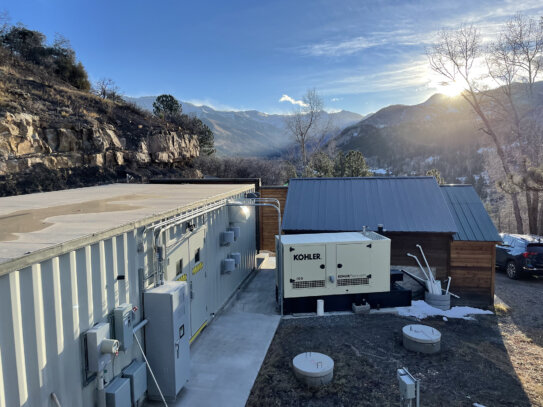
x=84 y=252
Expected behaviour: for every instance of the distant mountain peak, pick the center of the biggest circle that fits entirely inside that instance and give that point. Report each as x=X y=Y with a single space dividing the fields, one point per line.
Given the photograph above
x=247 y=132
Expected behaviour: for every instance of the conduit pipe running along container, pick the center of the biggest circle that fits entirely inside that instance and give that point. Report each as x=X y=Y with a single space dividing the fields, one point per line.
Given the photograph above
x=85 y=256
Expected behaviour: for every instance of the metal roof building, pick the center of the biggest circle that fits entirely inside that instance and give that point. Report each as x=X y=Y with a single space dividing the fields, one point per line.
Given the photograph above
x=470 y=216
x=400 y=204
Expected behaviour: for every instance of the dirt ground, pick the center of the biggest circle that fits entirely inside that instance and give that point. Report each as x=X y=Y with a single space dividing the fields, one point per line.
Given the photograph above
x=494 y=360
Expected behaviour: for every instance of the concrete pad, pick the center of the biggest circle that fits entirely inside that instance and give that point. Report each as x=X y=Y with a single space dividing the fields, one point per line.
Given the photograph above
x=226 y=357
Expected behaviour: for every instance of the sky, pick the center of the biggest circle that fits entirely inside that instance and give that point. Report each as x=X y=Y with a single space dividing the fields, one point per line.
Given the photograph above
x=264 y=55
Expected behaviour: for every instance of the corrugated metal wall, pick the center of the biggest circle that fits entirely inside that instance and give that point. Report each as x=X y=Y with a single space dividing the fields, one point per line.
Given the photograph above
x=46 y=307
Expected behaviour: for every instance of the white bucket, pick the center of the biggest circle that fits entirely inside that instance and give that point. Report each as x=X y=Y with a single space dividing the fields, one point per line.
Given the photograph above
x=320 y=308
x=438 y=301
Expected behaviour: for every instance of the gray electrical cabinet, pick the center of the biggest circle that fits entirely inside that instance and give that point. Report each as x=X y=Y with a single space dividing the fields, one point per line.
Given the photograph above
x=167 y=334
x=118 y=393
x=123 y=322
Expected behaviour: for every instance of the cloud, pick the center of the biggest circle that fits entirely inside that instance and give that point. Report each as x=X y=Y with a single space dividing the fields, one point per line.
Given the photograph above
x=287 y=98
x=350 y=46
x=214 y=105
x=335 y=99
x=410 y=74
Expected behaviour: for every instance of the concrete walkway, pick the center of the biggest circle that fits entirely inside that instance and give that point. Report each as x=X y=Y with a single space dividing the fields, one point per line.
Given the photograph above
x=227 y=356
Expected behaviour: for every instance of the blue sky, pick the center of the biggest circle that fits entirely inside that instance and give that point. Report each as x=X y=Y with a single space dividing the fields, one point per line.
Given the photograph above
x=237 y=54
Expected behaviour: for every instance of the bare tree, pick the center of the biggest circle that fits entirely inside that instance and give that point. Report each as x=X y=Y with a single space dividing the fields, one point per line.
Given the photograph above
x=455 y=57
x=4 y=22
x=107 y=89
x=514 y=62
x=306 y=126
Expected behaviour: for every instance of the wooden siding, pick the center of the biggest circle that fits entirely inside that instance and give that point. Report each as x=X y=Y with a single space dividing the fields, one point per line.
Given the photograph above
x=472 y=269
x=435 y=245
x=268 y=216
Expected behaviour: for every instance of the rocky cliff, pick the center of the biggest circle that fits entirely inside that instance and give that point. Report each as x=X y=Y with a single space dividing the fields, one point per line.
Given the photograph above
x=25 y=142
x=54 y=136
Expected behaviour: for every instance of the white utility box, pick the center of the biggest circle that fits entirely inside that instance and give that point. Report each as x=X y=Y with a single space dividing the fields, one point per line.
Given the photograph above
x=334 y=263
x=167 y=334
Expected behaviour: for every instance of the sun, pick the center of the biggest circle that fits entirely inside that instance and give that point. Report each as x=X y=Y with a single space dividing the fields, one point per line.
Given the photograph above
x=450 y=88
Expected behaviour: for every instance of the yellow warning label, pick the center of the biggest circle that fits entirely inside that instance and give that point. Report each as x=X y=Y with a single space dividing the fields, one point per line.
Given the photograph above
x=198 y=267
x=182 y=277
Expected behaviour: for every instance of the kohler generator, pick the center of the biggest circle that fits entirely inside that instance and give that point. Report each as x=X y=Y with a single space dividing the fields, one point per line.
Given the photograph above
x=341 y=268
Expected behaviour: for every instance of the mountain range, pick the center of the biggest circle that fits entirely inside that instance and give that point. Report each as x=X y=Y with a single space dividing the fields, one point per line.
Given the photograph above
x=250 y=133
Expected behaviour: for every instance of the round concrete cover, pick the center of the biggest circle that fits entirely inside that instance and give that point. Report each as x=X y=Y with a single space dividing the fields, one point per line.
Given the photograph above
x=421 y=333
x=313 y=364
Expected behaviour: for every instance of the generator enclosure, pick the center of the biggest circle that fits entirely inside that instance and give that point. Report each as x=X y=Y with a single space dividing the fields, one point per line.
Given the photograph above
x=324 y=264
x=166 y=307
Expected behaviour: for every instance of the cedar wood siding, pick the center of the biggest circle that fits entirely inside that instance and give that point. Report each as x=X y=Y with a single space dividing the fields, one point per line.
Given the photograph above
x=268 y=216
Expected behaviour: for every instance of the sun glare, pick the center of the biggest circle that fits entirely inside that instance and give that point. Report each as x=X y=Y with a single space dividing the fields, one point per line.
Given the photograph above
x=450 y=89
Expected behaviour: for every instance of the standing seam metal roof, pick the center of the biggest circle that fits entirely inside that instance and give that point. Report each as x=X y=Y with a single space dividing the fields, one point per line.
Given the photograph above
x=470 y=215
x=401 y=204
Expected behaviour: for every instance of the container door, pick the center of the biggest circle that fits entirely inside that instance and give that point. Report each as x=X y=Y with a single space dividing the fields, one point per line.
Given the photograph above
x=199 y=282
x=178 y=267
x=308 y=265
x=354 y=264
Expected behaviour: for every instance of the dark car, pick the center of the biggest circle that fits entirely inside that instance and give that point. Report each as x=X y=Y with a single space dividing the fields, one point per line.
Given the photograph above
x=520 y=254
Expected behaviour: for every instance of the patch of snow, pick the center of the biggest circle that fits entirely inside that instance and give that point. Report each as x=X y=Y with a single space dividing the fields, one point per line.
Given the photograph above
x=420 y=309
x=478 y=405
x=380 y=171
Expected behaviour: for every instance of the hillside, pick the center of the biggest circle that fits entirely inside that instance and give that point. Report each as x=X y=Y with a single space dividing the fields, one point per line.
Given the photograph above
x=249 y=133
x=54 y=135
x=440 y=133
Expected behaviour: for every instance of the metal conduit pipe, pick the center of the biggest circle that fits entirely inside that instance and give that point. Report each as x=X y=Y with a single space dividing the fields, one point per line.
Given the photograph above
x=176 y=219
x=165 y=225
x=277 y=207
x=175 y=222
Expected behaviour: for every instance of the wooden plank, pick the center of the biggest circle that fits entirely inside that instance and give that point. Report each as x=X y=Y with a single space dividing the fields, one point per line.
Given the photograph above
x=268 y=216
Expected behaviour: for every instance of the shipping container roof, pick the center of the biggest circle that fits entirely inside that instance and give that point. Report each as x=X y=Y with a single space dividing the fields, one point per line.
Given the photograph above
x=33 y=226
x=400 y=204
x=469 y=214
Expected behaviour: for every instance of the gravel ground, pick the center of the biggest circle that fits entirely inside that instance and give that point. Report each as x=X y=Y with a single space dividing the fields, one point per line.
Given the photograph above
x=494 y=360
x=520 y=321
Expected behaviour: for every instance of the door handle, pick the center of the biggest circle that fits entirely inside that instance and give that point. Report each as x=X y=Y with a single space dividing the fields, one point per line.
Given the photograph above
x=339 y=265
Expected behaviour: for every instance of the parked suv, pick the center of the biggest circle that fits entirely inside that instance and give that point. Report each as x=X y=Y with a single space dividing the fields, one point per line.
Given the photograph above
x=520 y=254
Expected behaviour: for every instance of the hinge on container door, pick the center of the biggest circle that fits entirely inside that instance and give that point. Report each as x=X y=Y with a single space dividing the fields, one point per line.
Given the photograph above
x=191 y=296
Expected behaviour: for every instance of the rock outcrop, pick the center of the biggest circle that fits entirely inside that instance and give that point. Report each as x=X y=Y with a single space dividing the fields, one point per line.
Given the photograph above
x=25 y=142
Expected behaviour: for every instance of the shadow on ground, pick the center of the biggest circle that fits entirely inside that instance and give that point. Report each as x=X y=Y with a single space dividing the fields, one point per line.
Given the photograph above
x=523 y=297
x=473 y=366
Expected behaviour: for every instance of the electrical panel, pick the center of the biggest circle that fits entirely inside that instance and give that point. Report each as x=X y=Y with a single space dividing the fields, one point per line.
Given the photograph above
x=123 y=322
x=167 y=333
x=118 y=393
x=136 y=372
x=334 y=263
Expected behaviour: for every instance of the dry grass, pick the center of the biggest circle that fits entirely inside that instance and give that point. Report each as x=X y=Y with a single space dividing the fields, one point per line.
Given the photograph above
x=527 y=360
x=501 y=309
